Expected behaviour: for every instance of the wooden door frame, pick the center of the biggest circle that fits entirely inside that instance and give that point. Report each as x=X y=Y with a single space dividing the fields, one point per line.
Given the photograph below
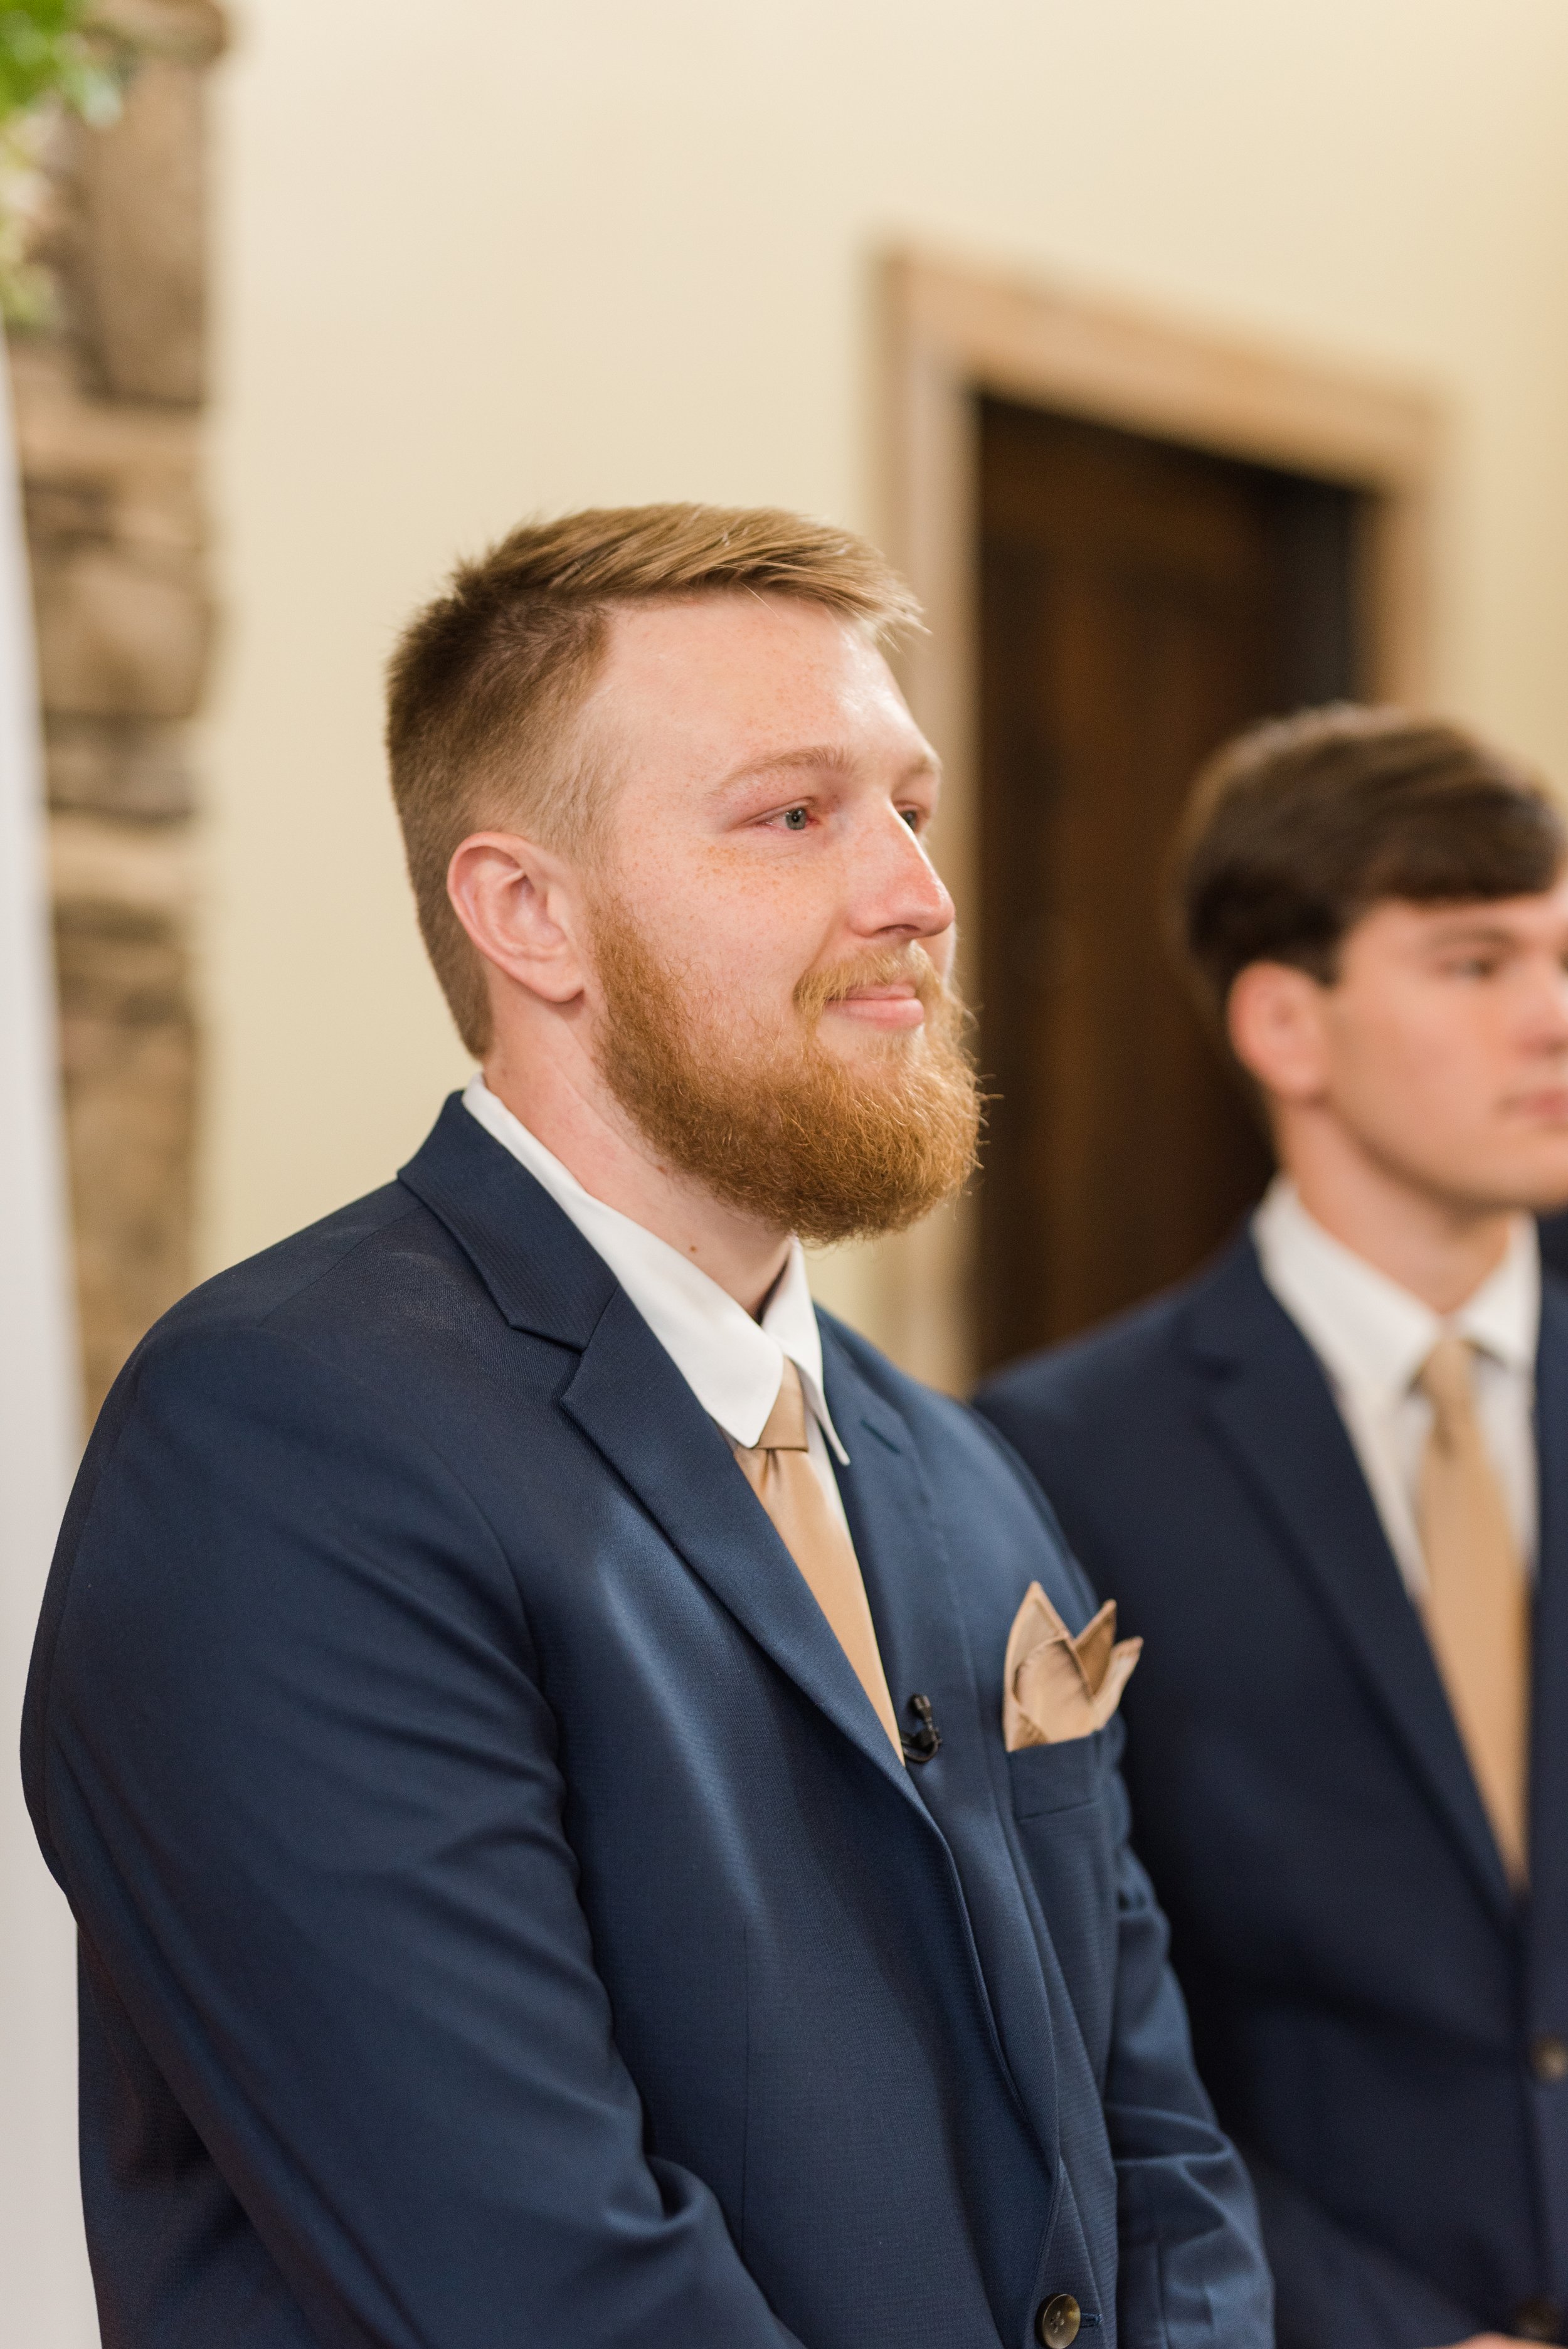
x=951 y=332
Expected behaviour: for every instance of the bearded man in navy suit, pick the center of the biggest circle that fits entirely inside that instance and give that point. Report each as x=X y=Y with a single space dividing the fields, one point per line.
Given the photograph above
x=1329 y=1479
x=590 y=1800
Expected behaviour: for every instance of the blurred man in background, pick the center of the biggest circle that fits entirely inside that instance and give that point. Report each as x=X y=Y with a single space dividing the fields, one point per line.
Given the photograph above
x=520 y=1710
x=1328 y=1481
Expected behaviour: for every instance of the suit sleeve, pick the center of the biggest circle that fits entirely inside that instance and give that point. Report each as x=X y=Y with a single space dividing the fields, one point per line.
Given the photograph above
x=301 y=1786
x=1192 y=2271
x=1336 y=2291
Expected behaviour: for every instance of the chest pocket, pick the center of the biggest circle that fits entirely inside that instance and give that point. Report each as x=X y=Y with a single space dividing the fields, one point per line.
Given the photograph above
x=1047 y=1778
x=1066 y=1807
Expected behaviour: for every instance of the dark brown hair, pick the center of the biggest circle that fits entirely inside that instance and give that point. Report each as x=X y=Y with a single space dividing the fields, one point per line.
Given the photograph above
x=486 y=679
x=1297 y=828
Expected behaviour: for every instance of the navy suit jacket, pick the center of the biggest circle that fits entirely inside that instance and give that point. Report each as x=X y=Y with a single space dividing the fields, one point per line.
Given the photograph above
x=1553 y=1231
x=502 y=1918
x=1381 y=2026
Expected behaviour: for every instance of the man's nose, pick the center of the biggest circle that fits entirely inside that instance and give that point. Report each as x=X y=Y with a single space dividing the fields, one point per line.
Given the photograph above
x=901 y=892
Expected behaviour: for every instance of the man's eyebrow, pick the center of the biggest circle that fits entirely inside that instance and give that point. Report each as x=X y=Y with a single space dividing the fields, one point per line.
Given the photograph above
x=1468 y=929
x=815 y=758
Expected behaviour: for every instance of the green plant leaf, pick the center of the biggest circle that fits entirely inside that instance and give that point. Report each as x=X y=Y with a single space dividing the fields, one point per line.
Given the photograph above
x=45 y=53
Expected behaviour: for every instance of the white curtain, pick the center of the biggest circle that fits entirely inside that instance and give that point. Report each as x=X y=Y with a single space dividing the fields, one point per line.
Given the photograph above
x=46 y=2294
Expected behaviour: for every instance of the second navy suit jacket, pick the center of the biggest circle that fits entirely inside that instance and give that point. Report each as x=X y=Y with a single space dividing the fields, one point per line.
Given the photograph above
x=502 y=1918
x=1381 y=2025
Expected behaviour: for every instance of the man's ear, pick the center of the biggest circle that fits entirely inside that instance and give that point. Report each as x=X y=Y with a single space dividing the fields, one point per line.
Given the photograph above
x=1274 y=1019
x=516 y=903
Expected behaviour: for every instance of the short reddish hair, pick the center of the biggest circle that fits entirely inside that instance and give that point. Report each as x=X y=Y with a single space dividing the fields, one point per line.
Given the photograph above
x=486 y=678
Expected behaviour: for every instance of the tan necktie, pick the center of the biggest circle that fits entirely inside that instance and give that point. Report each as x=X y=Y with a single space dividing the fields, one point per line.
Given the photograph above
x=1478 y=1604
x=778 y=1469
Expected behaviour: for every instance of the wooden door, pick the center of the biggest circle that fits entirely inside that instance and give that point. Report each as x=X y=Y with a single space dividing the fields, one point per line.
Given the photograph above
x=1139 y=603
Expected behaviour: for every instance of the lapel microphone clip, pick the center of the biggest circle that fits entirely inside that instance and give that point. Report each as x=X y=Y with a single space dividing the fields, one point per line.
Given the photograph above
x=927 y=1738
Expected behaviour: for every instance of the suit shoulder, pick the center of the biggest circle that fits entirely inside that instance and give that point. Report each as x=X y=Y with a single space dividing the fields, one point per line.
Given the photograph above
x=909 y=1396
x=250 y=1291
x=1137 y=1352
x=343 y=1280
x=936 y=1421
x=1134 y=1354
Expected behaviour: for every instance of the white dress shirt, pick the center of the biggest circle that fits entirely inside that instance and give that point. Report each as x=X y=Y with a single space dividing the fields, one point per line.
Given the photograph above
x=1372 y=1337
x=732 y=1364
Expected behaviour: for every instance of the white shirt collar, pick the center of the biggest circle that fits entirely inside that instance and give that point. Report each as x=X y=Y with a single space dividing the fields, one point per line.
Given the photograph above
x=1372 y=1334
x=732 y=1363
x=1504 y=1316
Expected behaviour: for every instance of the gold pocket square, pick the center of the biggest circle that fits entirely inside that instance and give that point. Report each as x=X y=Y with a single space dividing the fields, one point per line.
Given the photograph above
x=1057 y=1687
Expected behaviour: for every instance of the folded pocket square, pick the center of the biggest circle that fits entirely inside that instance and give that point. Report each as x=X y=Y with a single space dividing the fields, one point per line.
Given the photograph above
x=1057 y=1687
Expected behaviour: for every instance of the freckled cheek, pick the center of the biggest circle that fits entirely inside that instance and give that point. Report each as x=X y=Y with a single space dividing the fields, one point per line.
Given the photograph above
x=684 y=895
x=733 y=926
x=777 y=911
x=737 y=951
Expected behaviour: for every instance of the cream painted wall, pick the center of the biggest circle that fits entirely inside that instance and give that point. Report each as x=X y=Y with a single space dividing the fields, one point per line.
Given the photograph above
x=495 y=258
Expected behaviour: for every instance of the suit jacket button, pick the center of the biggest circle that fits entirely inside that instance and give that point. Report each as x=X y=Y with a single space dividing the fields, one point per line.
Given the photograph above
x=1549 y=2059
x=1057 y=2322
x=1537 y=2320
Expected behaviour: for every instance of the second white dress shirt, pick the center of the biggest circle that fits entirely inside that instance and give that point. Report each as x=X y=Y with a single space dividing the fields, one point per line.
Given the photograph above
x=1372 y=1337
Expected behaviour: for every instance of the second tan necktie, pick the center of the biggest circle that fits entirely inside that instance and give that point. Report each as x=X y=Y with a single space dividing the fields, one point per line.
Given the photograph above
x=778 y=1469
x=1478 y=1604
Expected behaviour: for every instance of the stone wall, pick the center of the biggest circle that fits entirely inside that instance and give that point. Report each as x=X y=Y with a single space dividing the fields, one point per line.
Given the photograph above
x=108 y=401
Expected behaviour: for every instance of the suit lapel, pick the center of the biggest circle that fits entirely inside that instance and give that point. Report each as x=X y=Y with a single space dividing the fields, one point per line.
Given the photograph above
x=631 y=1402
x=921 y=1630
x=888 y=1507
x=540 y=1270
x=1269 y=1404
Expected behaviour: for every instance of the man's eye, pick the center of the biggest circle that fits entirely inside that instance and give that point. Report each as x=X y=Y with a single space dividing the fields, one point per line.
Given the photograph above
x=795 y=819
x=911 y=817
